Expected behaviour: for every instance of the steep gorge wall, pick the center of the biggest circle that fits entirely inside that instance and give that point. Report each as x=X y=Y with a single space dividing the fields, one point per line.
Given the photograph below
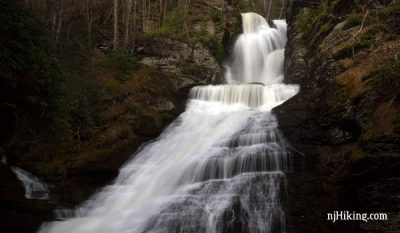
x=345 y=122
x=123 y=100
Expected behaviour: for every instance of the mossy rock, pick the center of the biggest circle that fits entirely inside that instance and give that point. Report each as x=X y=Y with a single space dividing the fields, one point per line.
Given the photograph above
x=358 y=153
x=357 y=20
x=391 y=76
x=368 y=38
x=193 y=70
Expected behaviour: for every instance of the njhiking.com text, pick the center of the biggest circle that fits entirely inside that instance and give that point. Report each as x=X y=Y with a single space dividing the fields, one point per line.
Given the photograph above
x=354 y=216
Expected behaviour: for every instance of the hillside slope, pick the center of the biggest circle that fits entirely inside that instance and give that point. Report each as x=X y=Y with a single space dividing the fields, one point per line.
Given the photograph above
x=345 y=122
x=108 y=101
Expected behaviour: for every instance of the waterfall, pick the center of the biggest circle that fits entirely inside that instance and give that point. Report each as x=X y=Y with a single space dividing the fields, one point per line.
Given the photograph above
x=4 y=159
x=219 y=167
x=259 y=51
x=34 y=188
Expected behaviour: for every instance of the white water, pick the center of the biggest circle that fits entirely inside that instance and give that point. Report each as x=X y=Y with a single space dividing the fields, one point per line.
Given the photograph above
x=263 y=97
x=220 y=166
x=4 y=159
x=258 y=52
x=34 y=188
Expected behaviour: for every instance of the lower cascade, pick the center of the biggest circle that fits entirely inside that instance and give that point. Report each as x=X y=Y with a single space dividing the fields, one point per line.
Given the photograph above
x=34 y=188
x=220 y=167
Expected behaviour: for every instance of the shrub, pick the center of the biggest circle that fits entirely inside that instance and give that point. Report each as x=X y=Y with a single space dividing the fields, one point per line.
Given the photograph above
x=30 y=74
x=357 y=20
x=391 y=75
x=172 y=26
x=120 y=63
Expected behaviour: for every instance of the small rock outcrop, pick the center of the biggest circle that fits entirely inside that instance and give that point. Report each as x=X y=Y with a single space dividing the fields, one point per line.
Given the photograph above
x=191 y=65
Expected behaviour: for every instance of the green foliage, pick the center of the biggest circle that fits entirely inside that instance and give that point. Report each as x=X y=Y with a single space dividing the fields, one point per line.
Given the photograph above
x=174 y=20
x=366 y=40
x=145 y=117
x=210 y=41
x=73 y=49
x=83 y=96
x=315 y=22
x=217 y=16
x=353 y=21
x=357 y=20
x=30 y=75
x=325 y=28
x=245 y=5
x=120 y=62
x=319 y=20
x=390 y=15
x=303 y=19
x=371 y=36
x=357 y=153
x=218 y=19
x=193 y=70
x=172 y=26
x=391 y=75
x=392 y=9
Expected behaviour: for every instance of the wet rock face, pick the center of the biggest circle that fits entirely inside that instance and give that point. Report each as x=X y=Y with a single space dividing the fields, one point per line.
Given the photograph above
x=343 y=120
x=192 y=65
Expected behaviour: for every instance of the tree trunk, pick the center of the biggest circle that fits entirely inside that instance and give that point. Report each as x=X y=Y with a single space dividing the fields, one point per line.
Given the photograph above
x=269 y=9
x=60 y=14
x=185 y=18
x=115 y=41
x=90 y=22
x=127 y=21
x=165 y=9
x=53 y=24
x=282 y=8
x=161 y=12
x=134 y=23
x=144 y=15
x=149 y=18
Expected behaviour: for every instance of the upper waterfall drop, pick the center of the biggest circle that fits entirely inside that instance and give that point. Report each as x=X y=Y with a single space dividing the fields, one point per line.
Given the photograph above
x=255 y=74
x=258 y=53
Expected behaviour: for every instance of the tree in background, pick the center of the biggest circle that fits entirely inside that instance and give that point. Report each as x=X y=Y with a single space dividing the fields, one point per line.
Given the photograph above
x=115 y=40
x=31 y=100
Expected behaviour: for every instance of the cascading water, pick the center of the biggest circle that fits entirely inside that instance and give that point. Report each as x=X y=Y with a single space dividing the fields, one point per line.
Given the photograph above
x=34 y=188
x=258 y=52
x=218 y=168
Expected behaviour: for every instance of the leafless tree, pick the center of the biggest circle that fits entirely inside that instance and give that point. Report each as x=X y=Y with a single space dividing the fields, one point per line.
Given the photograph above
x=128 y=9
x=115 y=41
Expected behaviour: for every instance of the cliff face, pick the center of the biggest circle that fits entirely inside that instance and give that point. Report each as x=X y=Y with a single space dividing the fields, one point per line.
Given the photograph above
x=115 y=99
x=345 y=120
